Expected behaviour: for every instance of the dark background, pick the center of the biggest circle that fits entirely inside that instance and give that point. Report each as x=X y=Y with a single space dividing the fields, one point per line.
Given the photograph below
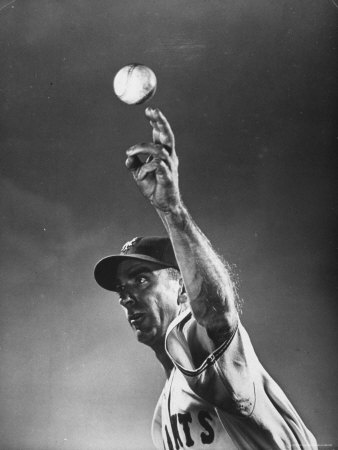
x=249 y=88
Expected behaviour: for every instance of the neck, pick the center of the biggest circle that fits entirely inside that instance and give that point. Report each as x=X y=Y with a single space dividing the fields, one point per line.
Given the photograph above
x=164 y=359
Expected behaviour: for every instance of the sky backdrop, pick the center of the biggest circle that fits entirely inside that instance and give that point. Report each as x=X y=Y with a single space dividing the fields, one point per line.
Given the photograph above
x=250 y=90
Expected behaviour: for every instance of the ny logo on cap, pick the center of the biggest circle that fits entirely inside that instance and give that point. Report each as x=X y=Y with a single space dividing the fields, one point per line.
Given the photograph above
x=128 y=245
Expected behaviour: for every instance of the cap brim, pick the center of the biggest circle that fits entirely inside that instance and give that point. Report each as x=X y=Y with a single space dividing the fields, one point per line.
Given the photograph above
x=106 y=269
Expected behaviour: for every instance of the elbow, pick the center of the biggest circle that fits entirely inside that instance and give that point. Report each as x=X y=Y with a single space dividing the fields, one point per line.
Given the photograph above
x=221 y=327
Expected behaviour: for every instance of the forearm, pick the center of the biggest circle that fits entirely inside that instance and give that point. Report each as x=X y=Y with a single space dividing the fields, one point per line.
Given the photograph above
x=206 y=278
x=207 y=281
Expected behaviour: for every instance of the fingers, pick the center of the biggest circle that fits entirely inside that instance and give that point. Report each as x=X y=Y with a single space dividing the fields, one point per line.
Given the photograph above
x=158 y=167
x=146 y=149
x=158 y=161
x=133 y=163
x=153 y=152
x=162 y=132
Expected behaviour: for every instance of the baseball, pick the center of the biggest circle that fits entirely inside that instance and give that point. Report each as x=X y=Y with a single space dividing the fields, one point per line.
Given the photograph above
x=135 y=84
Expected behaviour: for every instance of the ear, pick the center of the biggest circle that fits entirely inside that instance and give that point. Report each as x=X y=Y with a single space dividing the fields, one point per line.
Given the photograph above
x=182 y=295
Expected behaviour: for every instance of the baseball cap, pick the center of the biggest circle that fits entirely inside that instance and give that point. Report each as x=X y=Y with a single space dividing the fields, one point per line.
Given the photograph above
x=155 y=249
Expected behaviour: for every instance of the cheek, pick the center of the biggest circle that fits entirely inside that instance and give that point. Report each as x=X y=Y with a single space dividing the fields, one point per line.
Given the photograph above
x=169 y=304
x=162 y=301
x=157 y=308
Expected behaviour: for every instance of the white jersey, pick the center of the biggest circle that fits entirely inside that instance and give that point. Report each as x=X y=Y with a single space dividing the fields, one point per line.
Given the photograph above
x=196 y=409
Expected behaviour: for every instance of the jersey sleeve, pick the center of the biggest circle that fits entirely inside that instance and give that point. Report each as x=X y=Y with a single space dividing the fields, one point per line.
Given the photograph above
x=223 y=375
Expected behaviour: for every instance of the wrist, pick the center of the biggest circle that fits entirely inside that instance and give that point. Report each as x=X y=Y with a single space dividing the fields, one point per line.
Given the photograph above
x=174 y=215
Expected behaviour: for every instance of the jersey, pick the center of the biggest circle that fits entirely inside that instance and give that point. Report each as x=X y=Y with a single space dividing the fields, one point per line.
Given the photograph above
x=226 y=401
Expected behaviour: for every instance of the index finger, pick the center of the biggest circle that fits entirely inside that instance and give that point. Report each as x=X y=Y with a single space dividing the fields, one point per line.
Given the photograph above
x=144 y=149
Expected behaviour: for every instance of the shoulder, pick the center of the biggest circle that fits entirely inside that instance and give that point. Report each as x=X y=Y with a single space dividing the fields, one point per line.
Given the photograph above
x=222 y=374
x=189 y=344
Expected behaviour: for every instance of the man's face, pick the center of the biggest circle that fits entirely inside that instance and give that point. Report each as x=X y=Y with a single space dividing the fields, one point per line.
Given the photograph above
x=149 y=298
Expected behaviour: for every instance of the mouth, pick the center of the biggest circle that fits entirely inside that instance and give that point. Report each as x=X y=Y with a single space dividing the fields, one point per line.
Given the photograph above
x=136 y=318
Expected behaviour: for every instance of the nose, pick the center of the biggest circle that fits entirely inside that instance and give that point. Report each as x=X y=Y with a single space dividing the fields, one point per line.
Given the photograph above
x=126 y=299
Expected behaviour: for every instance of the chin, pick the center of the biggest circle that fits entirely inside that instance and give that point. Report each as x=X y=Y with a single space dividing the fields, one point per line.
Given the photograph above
x=147 y=337
x=143 y=336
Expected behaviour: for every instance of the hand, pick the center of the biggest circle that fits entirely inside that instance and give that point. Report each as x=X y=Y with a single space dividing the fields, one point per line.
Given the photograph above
x=157 y=177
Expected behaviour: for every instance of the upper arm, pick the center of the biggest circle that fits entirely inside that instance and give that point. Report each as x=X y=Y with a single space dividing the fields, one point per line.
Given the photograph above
x=222 y=374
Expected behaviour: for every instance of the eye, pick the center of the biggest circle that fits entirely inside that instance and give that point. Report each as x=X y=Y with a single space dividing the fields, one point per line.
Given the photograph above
x=141 y=279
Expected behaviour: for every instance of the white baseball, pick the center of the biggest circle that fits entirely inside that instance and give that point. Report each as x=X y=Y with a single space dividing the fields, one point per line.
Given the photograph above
x=135 y=84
